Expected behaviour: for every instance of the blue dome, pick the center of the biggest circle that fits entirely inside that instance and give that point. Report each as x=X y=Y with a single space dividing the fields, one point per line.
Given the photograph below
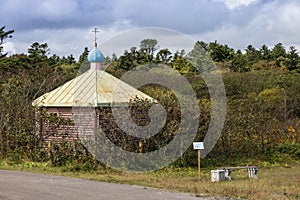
x=95 y=56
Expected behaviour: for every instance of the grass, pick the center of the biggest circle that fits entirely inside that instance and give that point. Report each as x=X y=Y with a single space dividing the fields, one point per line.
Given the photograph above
x=280 y=182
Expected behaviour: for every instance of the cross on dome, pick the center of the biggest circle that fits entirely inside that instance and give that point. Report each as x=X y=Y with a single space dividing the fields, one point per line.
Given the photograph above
x=95 y=30
x=95 y=56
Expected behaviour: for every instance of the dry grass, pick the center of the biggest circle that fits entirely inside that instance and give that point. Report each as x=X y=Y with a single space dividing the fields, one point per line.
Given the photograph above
x=273 y=183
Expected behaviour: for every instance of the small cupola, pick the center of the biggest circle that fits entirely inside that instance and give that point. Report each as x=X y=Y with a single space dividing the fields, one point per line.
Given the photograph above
x=95 y=56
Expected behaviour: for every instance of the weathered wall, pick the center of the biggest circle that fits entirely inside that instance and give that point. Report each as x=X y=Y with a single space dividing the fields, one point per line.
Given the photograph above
x=58 y=124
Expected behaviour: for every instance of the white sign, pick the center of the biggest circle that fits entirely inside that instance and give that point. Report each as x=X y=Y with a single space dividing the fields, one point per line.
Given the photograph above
x=198 y=145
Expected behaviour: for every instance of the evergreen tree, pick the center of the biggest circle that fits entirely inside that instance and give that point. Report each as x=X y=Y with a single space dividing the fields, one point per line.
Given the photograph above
x=38 y=50
x=83 y=63
x=293 y=59
x=4 y=35
x=54 y=60
x=83 y=57
x=279 y=54
x=239 y=62
x=164 y=56
x=114 y=57
x=252 y=54
x=38 y=53
x=265 y=52
x=71 y=59
x=202 y=45
x=148 y=47
x=181 y=63
x=278 y=51
x=218 y=52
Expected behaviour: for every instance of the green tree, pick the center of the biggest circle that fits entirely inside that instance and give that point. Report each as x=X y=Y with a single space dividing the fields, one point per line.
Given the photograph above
x=149 y=46
x=4 y=35
x=14 y=64
x=54 y=59
x=202 y=44
x=38 y=50
x=83 y=56
x=218 y=52
x=279 y=54
x=278 y=51
x=83 y=63
x=181 y=63
x=292 y=62
x=252 y=54
x=164 y=56
x=114 y=57
x=126 y=61
x=132 y=58
x=38 y=53
x=239 y=62
x=200 y=58
x=265 y=52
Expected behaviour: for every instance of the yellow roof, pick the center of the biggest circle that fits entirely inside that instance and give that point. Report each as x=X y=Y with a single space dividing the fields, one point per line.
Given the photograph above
x=93 y=88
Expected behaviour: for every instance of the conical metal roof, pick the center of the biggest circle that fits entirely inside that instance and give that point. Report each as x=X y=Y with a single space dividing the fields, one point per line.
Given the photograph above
x=95 y=88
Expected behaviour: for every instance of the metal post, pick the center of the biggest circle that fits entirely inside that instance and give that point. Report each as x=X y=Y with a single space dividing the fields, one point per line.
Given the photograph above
x=199 y=155
x=140 y=146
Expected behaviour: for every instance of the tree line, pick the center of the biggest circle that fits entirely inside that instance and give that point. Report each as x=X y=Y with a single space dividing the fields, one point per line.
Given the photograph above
x=224 y=56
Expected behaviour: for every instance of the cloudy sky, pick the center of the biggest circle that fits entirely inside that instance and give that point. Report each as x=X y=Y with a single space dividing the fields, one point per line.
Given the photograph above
x=66 y=24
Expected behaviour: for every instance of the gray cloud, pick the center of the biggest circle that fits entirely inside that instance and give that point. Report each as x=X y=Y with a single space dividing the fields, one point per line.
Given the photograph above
x=273 y=22
x=188 y=16
x=54 y=14
x=66 y=25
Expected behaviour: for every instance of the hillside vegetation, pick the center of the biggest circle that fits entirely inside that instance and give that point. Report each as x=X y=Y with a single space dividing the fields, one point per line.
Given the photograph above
x=262 y=87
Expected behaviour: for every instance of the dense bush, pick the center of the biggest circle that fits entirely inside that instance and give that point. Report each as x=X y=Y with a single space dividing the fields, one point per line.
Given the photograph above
x=292 y=148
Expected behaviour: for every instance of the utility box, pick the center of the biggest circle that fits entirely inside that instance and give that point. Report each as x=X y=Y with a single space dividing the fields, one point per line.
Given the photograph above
x=217 y=175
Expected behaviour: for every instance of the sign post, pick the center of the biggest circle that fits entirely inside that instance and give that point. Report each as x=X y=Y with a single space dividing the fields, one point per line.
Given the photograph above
x=198 y=146
x=199 y=156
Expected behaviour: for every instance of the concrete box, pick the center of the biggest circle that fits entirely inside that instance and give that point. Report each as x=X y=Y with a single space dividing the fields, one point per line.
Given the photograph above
x=217 y=175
